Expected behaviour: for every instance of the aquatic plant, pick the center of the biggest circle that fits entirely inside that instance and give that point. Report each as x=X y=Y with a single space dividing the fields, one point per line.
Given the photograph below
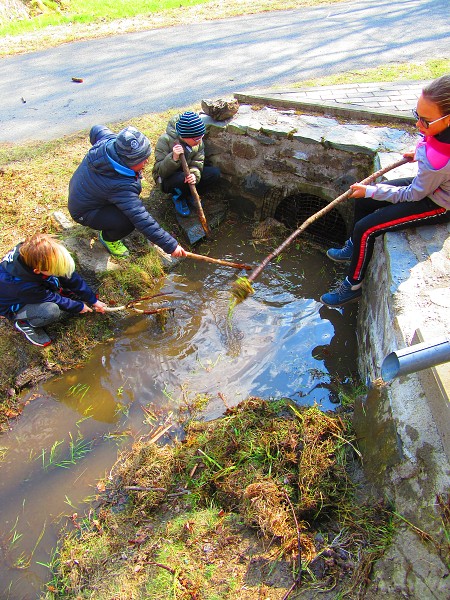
x=273 y=468
x=78 y=448
x=78 y=390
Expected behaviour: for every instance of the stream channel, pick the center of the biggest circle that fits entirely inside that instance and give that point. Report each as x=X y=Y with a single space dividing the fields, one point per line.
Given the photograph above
x=279 y=342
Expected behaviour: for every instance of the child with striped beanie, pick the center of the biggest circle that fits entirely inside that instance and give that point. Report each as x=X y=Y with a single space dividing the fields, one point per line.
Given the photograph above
x=184 y=135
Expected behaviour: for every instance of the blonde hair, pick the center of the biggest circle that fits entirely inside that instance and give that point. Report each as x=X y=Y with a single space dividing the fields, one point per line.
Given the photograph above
x=44 y=253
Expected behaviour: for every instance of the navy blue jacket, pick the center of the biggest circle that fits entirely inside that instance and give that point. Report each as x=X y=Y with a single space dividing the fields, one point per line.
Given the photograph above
x=19 y=285
x=101 y=179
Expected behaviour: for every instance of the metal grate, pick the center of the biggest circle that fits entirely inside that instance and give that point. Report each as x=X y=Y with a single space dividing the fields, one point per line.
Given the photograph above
x=329 y=229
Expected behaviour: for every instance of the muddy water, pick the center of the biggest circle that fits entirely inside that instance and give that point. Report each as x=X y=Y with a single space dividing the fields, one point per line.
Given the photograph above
x=279 y=342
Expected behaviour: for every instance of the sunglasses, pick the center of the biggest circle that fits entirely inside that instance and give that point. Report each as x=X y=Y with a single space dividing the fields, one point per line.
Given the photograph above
x=424 y=122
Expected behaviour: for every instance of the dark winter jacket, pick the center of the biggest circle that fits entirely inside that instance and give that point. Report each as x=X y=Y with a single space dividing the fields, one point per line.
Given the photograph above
x=19 y=285
x=165 y=166
x=101 y=179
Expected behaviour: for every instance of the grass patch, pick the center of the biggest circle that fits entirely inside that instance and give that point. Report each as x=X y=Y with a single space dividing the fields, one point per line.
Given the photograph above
x=430 y=69
x=58 y=22
x=193 y=520
x=50 y=13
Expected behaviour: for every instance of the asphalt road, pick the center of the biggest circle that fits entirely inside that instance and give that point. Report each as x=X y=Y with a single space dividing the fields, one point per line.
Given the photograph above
x=133 y=74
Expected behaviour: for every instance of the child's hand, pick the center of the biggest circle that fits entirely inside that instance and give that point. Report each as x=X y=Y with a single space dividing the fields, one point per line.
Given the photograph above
x=85 y=309
x=179 y=252
x=99 y=306
x=358 y=191
x=176 y=151
x=191 y=179
x=410 y=156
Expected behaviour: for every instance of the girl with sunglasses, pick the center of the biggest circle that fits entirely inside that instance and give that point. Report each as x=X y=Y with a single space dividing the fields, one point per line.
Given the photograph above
x=401 y=203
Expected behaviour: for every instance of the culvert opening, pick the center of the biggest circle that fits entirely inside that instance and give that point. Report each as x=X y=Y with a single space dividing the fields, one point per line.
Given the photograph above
x=330 y=229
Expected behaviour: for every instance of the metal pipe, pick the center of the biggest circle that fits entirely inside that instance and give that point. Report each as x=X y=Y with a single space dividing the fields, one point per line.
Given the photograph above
x=415 y=358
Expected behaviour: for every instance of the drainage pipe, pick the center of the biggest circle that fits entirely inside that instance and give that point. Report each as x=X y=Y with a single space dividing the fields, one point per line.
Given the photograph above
x=415 y=358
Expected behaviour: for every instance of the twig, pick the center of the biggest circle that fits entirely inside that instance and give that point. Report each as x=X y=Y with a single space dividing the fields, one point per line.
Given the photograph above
x=196 y=197
x=298 y=580
x=156 y=437
x=133 y=303
x=176 y=494
x=219 y=261
x=138 y=488
x=222 y=397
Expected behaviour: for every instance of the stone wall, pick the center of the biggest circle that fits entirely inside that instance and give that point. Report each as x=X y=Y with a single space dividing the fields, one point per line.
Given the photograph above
x=403 y=426
x=266 y=155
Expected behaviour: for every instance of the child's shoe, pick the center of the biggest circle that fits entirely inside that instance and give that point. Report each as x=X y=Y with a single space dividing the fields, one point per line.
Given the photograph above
x=341 y=254
x=117 y=249
x=180 y=203
x=344 y=294
x=35 y=335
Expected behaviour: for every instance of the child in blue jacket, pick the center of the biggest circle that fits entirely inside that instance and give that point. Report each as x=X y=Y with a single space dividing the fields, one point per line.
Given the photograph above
x=104 y=191
x=37 y=281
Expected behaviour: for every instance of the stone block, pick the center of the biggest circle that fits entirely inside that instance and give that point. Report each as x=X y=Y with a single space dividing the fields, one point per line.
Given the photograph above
x=350 y=141
x=62 y=221
x=279 y=129
x=308 y=135
x=260 y=138
x=242 y=149
x=255 y=185
x=278 y=166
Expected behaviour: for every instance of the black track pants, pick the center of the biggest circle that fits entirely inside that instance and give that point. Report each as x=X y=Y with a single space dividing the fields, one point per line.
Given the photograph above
x=374 y=217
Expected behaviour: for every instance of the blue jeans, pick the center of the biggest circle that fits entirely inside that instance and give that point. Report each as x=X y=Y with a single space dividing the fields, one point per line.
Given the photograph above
x=39 y=315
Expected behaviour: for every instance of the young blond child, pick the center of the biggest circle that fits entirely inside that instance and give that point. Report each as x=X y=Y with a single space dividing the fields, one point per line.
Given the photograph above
x=37 y=281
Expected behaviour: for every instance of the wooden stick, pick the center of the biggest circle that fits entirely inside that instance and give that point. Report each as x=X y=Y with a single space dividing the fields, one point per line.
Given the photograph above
x=254 y=274
x=152 y=311
x=132 y=305
x=219 y=261
x=196 y=197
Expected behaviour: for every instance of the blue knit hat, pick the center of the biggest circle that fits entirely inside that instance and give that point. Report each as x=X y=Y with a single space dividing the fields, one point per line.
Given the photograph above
x=132 y=146
x=189 y=125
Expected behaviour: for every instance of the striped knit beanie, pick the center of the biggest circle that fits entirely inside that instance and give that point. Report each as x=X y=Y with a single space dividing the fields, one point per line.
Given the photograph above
x=189 y=125
x=132 y=146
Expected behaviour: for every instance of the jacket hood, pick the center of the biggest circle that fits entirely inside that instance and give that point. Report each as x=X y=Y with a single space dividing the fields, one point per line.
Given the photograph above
x=170 y=129
x=444 y=136
x=12 y=263
x=103 y=158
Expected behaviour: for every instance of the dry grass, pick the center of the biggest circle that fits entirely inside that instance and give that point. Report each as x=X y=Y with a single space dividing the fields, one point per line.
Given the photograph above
x=247 y=475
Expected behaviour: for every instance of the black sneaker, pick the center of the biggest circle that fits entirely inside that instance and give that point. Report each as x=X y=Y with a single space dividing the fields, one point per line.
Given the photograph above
x=35 y=335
